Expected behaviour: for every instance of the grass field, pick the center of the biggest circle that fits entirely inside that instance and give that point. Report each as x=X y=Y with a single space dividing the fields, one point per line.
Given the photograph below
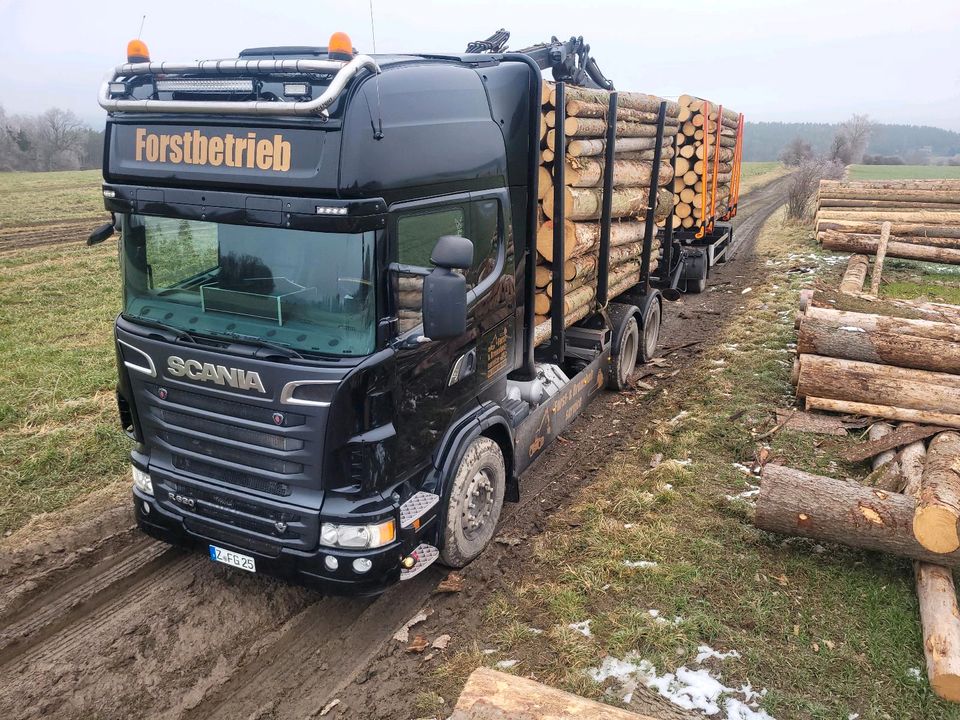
x=831 y=633
x=59 y=434
x=28 y=198
x=903 y=172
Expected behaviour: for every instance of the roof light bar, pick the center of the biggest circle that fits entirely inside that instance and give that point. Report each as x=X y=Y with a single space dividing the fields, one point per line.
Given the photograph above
x=327 y=210
x=212 y=87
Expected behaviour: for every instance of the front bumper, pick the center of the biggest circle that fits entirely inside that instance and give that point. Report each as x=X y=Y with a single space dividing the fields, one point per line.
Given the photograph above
x=303 y=568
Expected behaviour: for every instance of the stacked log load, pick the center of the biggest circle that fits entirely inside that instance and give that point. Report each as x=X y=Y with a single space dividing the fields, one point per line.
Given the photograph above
x=924 y=217
x=586 y=128
x=707 y=163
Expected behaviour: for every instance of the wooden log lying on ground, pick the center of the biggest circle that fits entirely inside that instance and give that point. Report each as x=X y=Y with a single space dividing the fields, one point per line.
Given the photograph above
x=909 y=309
x=872 y=227
x=890 y=480
x=878 y=262
x=836 y=204
x=889 y=412
x=945 y=242
x=926 y=217
x=855 y=381
x=856 y=274
x=937 y=596
x=792 y=502
x=843 y=242
x=492 y=695
x=917 y=344
x=938 y=504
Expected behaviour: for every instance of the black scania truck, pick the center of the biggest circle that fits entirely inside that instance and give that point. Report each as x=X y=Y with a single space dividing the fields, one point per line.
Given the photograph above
x=326 y=350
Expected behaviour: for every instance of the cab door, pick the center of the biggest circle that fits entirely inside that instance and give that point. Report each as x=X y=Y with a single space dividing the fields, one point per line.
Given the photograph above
x=439 y=382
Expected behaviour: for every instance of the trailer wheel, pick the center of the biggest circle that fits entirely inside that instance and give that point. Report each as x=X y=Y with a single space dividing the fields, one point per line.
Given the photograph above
x=474 y=503
x=624 y=357
x=651 y=330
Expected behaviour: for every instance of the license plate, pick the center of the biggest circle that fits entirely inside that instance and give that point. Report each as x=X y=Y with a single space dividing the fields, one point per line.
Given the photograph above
x=229 y=557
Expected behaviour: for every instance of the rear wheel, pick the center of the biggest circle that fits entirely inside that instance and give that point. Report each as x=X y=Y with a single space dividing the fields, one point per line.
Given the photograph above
x=624 y=358
x=474 y=503
x=651 y=331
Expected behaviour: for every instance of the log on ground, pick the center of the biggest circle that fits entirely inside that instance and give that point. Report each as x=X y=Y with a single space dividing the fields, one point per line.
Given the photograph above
x=938 y=504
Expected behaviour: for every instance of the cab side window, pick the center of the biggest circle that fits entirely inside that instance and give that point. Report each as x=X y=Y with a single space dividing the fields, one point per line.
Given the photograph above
x=418 y=232
x=416 y=235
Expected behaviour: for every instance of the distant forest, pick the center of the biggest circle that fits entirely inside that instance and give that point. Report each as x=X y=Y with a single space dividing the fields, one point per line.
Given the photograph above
x=914 y=144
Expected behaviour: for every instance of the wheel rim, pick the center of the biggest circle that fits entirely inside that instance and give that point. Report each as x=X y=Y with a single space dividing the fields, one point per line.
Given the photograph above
x=651 y=332
x=479 y=505
x=628 y=355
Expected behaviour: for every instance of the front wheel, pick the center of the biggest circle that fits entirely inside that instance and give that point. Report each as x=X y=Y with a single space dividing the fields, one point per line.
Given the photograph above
x=474 y=503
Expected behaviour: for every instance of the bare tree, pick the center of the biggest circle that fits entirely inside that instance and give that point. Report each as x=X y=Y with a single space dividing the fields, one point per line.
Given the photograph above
x=850 y=142
x=805 y=180
x=61 y=134
x=796 y=152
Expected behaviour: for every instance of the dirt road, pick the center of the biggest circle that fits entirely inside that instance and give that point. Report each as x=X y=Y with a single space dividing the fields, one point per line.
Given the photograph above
x=97 y=621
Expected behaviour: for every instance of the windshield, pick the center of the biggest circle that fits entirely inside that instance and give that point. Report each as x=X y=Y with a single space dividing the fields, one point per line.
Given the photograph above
x=309 y=291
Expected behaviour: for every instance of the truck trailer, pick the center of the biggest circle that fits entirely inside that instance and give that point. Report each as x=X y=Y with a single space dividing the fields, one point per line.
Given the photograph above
x=279 y=215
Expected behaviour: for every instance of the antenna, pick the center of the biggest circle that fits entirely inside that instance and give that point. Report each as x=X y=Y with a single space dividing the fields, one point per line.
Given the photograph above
x=142 y=21
x=377 y=131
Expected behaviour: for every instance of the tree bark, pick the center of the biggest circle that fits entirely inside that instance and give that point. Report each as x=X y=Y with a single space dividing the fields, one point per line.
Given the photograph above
x=593 y=148
x=938 y=504
x=492 y=695
x=872 y=227
x=856 y=274
x=582 y=237
x=883 y=411
x=861 y=382
x=626 y=173
x=834 y=337
x=908 y=309
x=927 y=217
x=586 y=203
x=793 y=502
x=843 y=242
x=945 y=242
x=878 y=262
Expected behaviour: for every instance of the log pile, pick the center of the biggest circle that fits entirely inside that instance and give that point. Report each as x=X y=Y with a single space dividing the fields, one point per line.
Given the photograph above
x=585 y=128
x=709 y=147
x=923 y=217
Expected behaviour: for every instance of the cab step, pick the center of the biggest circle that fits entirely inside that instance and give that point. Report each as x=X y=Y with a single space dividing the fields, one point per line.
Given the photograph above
x=425 y=555
x=418 y=505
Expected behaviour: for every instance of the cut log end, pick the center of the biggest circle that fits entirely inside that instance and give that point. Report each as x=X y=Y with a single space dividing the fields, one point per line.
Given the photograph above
x=935 y=527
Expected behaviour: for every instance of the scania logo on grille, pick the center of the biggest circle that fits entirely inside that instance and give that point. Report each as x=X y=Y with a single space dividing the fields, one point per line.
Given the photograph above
x=278 y=418
x=219 y=374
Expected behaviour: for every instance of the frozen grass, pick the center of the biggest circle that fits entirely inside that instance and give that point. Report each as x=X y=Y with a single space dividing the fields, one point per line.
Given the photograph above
x=828 y=631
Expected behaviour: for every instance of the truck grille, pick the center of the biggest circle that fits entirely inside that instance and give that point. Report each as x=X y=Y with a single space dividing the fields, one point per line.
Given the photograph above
x=229 y=453
x=232 y=477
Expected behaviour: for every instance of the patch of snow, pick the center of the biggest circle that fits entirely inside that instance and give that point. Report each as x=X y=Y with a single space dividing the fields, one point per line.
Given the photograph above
x=505 y=664
x=667 y=486
x=743 y=468
x=640 y=563
x=853 y=716
x=682 y=415
x=746 y=290
x=689 y=689
x=913 y=673
x=489 y=651
x=535 y=631
x=582 y=627
x=705 y=652
x=627 y=526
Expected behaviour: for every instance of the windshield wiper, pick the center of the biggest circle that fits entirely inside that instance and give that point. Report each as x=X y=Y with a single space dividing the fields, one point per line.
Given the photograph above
x=157 y=325
x=263 y=344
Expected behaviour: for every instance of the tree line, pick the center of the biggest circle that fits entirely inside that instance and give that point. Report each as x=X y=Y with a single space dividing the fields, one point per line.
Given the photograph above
x=53 y=140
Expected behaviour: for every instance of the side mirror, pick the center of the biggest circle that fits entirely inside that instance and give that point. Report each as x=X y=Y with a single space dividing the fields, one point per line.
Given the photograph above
x=100 y=234
x=444 y=291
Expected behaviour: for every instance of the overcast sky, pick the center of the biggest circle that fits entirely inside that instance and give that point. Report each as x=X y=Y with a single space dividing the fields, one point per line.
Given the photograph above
x=790 y=60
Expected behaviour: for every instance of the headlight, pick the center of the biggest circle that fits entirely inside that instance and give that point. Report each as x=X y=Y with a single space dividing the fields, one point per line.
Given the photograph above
x=142 y=481
x=357 y=537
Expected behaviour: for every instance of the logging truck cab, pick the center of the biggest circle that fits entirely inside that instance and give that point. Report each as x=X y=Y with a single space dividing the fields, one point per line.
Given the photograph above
x=326 y=348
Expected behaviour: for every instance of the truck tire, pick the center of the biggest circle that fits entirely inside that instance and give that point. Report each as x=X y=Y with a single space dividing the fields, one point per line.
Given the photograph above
x=650 y=336
x=474 y=503
x=623 y=360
